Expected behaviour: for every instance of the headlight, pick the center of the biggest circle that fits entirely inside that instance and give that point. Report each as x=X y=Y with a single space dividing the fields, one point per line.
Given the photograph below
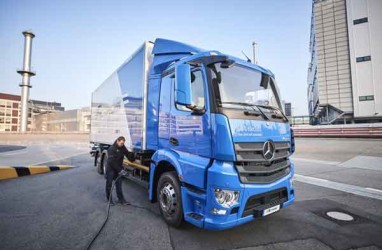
x=226 y=198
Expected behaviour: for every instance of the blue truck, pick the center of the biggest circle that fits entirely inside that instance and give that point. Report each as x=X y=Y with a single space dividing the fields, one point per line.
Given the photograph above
x=209 y=136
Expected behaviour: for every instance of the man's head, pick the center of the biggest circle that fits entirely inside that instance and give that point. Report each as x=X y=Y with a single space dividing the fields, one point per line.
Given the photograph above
x=120 y=142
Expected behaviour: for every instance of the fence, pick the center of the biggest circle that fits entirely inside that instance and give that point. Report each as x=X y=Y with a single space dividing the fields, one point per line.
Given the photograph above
x=372 y=130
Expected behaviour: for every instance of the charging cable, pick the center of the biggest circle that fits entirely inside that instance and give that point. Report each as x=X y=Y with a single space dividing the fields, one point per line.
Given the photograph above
x=121 y=174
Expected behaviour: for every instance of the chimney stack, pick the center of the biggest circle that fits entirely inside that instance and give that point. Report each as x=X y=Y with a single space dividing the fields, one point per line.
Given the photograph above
x=254 y=52
x=26 y=73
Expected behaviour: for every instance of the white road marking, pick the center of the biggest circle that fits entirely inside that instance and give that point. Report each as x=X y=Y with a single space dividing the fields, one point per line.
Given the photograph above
x=352 y=189
x=373 y=189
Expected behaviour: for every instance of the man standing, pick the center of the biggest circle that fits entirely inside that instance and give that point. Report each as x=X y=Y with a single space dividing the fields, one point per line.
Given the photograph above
x=114 y=169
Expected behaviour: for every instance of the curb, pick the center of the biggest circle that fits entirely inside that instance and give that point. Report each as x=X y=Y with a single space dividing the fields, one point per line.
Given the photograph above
x=10 y=172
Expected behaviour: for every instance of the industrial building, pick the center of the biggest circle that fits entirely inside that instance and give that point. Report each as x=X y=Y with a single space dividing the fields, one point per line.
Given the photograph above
x=346 y=62
x=42 y=116
x=75 y=120
x=10 y=111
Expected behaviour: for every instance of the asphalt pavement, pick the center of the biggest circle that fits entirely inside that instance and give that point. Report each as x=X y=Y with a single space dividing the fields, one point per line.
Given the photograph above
x=64 y=209
x=37 y=154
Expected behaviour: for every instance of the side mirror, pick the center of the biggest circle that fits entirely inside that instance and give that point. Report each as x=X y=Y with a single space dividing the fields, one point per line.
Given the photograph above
x=183 y=94
x=264 y=80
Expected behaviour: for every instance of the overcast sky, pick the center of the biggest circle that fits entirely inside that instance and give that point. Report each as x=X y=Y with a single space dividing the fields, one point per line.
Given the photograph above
x=78 y=44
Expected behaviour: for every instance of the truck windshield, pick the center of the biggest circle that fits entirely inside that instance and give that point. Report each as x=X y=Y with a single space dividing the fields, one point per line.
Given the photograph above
x=240 y=85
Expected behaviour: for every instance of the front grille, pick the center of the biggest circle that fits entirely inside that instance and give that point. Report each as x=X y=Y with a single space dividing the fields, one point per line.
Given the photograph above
x=254 y=168
x=257 y=203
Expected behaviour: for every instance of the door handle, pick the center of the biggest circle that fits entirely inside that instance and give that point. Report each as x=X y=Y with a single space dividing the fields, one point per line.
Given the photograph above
x=174 y=141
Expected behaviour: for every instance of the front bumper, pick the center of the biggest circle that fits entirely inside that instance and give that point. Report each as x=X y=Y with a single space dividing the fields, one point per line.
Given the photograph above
x=213 y=225
x=223 y=175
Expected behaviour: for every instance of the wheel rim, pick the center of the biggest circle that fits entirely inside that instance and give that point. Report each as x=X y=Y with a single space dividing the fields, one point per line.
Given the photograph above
x=167 y=199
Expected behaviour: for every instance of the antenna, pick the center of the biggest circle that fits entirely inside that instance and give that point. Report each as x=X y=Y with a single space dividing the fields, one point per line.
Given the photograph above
x=248 y=60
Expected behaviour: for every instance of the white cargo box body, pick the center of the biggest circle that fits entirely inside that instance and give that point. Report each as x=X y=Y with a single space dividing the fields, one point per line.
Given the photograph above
x=119 y=104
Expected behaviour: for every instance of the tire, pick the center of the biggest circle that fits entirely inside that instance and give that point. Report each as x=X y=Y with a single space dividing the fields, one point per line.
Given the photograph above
x=95 y=158
x=104 y=163
x=169 y=199
x=99 y=163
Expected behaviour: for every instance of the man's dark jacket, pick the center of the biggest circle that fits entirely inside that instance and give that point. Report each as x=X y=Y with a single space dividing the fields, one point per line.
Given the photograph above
x=115 y=157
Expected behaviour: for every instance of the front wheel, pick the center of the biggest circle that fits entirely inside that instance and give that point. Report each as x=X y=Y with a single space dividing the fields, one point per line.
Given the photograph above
x=169 y=198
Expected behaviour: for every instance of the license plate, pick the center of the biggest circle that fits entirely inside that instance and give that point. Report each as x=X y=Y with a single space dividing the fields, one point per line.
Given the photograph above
x=271 y=210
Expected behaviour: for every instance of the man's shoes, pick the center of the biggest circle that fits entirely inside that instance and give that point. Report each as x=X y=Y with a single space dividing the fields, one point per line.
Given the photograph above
x=111 y=202
x=123 y=202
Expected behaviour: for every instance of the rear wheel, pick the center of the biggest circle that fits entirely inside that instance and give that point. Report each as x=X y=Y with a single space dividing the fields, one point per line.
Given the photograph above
x=95 y=158
x=99 y=163
x=169 y=198
x=104 y=164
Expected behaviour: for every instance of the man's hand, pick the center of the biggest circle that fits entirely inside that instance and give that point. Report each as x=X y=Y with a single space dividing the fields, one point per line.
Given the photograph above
x=123 y=172
x=130 y=156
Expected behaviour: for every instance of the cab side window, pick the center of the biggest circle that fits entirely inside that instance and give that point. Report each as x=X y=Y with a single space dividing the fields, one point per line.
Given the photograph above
x=197 y=88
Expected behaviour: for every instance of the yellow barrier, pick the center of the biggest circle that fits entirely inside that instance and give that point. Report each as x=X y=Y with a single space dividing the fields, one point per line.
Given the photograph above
x=9 y=172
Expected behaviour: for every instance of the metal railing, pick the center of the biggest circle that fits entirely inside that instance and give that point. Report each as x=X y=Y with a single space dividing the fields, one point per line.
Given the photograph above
x=373 y=130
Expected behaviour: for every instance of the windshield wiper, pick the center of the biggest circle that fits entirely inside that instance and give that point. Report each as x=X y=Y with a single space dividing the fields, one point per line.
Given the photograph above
x=254 y=111
x=278 y=115
x=237 y=103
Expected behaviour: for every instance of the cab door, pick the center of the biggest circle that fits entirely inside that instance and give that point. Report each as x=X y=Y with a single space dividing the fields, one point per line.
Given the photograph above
x=190 y=131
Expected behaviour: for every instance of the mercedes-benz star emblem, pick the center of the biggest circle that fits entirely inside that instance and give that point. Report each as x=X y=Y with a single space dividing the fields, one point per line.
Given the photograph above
x=268 y=150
